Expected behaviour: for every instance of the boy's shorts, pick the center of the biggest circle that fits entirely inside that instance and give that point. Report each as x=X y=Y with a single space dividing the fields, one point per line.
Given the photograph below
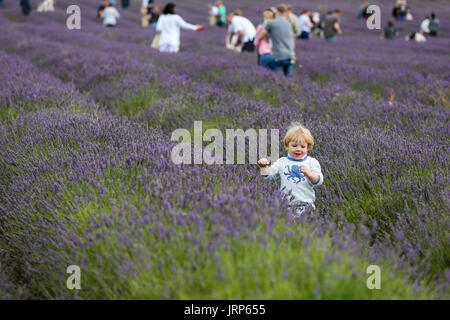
x=302 y=207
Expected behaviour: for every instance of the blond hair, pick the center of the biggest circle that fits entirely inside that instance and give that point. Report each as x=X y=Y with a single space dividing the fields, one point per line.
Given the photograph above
x=237 y=12
x=297 y=133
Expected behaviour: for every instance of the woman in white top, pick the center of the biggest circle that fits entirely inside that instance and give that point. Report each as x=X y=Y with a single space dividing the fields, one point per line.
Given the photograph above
x=46 y=5
x=169 y=25
x=110 y=15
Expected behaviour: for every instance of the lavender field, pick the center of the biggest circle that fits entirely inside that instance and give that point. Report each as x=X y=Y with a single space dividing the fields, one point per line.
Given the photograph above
x=86 y=176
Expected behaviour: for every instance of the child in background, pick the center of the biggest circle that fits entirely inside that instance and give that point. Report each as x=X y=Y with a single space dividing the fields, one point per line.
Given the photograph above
x=264 y=46
x=299 y=173
x=222 y=13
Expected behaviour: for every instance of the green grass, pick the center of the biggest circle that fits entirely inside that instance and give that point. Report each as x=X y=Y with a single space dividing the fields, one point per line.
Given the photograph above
x=377 y=91
x=134 y=105
x=277 y=271
x=322 y=78
x=9 y=113
x=253 y=91
x=211 y=75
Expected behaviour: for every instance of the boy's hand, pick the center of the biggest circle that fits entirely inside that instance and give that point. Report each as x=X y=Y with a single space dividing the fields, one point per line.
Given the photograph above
x=304 y=169
x=262 y=163
x=313 y=177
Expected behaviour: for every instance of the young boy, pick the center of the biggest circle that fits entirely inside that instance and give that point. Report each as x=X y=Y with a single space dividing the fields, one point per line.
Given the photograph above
x=298 y=172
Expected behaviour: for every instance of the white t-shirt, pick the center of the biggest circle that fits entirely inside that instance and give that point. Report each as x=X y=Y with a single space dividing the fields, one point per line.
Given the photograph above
x=46 y=5
x=214 y=11
x=110 y=16
x=316 y=17
x=239 y=23
x=424 y=26
x=169 y=25
x=303 y=23
x=420 y=37
x=292 y=180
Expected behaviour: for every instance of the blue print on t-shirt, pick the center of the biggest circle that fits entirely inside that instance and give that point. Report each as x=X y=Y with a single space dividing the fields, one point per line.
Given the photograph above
x=294 y=174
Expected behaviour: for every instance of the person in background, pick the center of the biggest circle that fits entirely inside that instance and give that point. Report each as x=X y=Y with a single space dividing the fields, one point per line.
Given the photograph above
x=434 y=24
x=46 y=6
x=424 y=25
x=243 y=29
x=331 y=27
x=153 y=14
x=169 y=25
x=280 y=32
x=321 y=23
x=26 y=7
x=213 y=11
x=101 y=8
x=263 y=44
x=430 y=25
x=315 y=20
x=110 y=15
x=389 y=32
x=293 y=20
x=146 y=9
x=363 y=12
x=145 y=3
x=305 y=24
x=222 y=13
x=125 y=3
x=416 y=36
x=401 y=11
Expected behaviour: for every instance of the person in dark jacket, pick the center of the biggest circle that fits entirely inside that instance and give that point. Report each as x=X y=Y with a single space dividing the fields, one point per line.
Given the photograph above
x=433 y=25
x=26 y=7
x=389 y=32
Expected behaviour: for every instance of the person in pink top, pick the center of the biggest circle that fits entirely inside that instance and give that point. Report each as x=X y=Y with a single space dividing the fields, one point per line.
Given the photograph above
x=264 y=45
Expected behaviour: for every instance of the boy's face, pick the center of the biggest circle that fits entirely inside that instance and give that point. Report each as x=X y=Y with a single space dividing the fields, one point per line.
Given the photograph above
x=297 y=149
